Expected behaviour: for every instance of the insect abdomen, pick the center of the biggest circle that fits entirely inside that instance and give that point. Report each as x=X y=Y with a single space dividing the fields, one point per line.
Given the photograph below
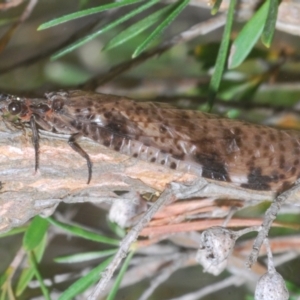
x=137 y=149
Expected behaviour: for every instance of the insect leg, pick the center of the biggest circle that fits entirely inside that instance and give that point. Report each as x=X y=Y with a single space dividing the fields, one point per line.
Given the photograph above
x=35 y=140
x=35 y=119
x=79 y=150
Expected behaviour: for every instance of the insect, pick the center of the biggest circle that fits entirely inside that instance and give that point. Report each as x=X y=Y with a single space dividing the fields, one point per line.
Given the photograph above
x=251 y=156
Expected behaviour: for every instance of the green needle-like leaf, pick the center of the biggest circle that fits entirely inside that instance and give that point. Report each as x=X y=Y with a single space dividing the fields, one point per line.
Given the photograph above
x=5 y=21
x=85 y=13
x=222 y=55
x=38 y=276
x=269 y=29
x=119 y=278
x=35 y=233
x=90 y=37
x=137 y=28
x=86 y=234
x=5 y=276
x=216 y=7
x=173 y=15
x=28 y=273
x=248 y=37
x=85 y=282
x=14 y=231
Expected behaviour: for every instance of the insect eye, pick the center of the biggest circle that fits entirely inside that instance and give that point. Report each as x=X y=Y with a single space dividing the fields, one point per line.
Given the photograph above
x=15 y=107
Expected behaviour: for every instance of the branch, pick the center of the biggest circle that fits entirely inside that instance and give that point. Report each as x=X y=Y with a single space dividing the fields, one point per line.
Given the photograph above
x=63 y=176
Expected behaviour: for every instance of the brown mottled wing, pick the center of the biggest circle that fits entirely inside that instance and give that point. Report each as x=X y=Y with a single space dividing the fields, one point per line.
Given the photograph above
x=253 y=156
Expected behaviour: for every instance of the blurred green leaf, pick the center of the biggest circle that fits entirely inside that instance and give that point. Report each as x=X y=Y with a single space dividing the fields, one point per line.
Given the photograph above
x=222 y=55
x=79 y=231
x=34 y=265
x=233 y=113
x=84 y=282
x=35 y=233
x=90 y=37
x=83 y=3
x=116 y=229
x=295 y=288
x=243 y=90
x=28 y=273
x=3 y=295
x=4 y=276
x=116 y=285
x=249 y=297
x=5 y=21
x=85 y=13
x=206 y=54
x=180 y=5
x=137 y=28
x=247 y=37
x=66 y=74
x=81 y=257
x=269 y=28
x=216 y=7
x=278 y=95
x=14 y=231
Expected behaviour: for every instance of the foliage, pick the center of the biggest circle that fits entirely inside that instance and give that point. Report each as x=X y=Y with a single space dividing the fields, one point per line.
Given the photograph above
x=143 y=25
